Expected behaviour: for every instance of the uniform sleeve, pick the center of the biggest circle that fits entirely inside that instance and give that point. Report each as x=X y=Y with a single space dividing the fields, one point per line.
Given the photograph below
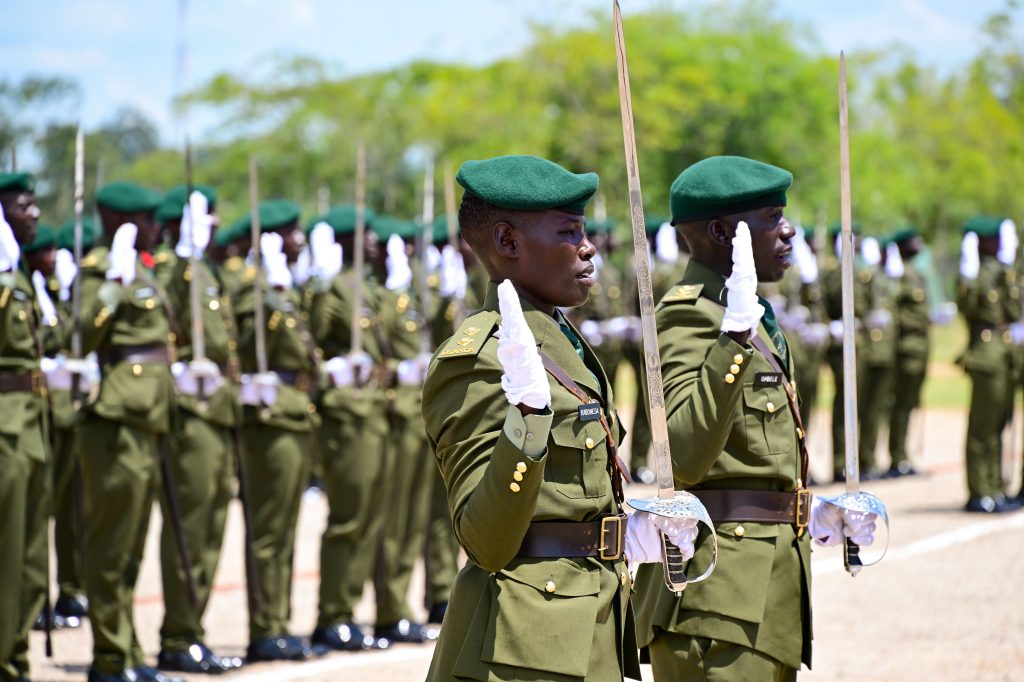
x=700 y=397
x=472 y=430
x=100 y=301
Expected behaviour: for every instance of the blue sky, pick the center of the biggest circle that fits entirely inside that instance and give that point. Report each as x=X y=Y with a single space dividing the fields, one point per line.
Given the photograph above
x=123 y=51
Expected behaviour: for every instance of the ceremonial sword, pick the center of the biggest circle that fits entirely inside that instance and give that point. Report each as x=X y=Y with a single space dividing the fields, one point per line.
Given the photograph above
x=669 y=501
x=359 y=258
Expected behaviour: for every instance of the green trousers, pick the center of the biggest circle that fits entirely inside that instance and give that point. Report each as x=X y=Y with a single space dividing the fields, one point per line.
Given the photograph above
x=835 y=363
x=409 y=485
x=277 y=465
x=682 y=657
x=985 y=420
x=906 y=398
x=874 y=394
x=442 y=553
x=68 y=512
x=202 y=473
x=640 y=430
x=121 y=476
x=353 y=438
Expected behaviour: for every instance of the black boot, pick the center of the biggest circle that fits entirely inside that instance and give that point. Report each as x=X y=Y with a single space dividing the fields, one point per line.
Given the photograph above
x=196 y=659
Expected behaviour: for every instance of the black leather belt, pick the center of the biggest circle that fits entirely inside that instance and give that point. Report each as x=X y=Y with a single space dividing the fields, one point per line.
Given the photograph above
x=760 y=506
x=156 y=353
x=300 y=380
x=604 y=537
x=32 y=381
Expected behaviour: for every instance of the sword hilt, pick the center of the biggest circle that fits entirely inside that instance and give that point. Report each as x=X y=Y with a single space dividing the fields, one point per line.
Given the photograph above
x=201 y=393
x=675 y=565
x=851 y=557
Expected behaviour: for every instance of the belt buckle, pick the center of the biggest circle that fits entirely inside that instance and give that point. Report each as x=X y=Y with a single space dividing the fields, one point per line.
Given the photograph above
x=38 y=382
x=803 y=510
x=606 y=521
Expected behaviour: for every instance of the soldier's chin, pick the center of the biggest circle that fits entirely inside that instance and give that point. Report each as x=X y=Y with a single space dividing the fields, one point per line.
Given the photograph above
x=576 y=296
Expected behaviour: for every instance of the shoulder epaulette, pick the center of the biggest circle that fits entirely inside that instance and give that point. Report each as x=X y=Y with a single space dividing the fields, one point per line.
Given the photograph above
x=470 y=337
x=682 y=292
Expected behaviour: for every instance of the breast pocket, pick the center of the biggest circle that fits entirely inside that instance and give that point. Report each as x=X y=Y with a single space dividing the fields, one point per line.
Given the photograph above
x=766 y=420
x=577 y=461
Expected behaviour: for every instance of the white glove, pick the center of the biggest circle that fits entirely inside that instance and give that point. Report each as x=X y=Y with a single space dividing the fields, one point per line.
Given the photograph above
x=666 y=248
x=65 y=271
x=187 y=376
x=362 y=367
x=970 y=263
x=643 y=539
x=524 y=380
x=302 y=268
x=591 y=330
x=871 y=251
x=196 y=227
x=413 y=372
x=275 y=263
x=893 y=262
x=830 y=525
x=123 y=254
x=59 y=372
x=835 y=328
x=10 y=252
x=806 y=263
x=1008 y=242
x=399 y=272
x=1017 y=332
x=259 y=389
x=879 y=318
x=743 y=313
x=325 y=252
x=341 y=371
x=453 y=273
x=46 y=308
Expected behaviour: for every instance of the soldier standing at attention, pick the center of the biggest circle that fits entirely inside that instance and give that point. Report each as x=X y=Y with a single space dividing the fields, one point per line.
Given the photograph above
x=278 y=420
x=914 y=323
x=24 y=467
x=528 y=456
x=735 y=438
x=125 y=319
x=989 y=302
x=202 y=462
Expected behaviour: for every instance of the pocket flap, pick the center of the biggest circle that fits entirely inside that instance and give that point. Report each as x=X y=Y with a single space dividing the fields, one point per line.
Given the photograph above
x=568 y=431
x=557 y=577
x=769 y=399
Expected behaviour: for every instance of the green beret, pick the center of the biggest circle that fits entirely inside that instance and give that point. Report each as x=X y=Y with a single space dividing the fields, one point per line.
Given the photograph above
x=238 y=229
x=809 y=232
x=174 y=201
x=441 y=230
x=343 y=219
x=983 y=225
x=527 y=183
x=66 y=235
x=46 y=238
x=385 y=226
x=127 y=197
x=721 y=185
x=595 y=226
x=276 y=213
x=17 y=182
x=905 y=233
x=653 y=222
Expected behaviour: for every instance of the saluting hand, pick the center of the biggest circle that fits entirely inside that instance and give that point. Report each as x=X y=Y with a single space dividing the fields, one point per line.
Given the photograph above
x=275 y=263
x=123 y=254
x=10 y=252
x=743 y=312
x=525 y=382
x=196 y=227
x=324 y=252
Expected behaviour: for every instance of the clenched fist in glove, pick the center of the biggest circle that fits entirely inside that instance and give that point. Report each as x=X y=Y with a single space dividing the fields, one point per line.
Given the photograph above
x=643 y=537
x=524 y=381
x=187 y=376
x=275 y=263
x=123 y=255
x=743 y=312
x=831 y=525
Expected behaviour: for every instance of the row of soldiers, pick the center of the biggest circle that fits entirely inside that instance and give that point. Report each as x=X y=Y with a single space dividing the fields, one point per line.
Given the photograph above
x=304 y=365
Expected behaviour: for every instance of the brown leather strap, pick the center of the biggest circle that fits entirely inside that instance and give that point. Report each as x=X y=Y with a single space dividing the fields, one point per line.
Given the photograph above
x=172 y=317
x=300 y=380
x=762 y=506
x=151 y=353
x=32 y=381
x=794 y=407
x=617 y=470
x=604 y=537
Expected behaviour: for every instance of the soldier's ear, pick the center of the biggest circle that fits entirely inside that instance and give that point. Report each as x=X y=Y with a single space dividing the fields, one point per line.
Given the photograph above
x=720 y=232
x=505 y=242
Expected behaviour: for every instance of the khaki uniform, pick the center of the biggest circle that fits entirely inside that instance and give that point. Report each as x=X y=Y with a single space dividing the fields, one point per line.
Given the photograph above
x=879 y=349
x=24 y=474
x=913 y=322
x=118 y=442
x=524 y=618
x=727 y=432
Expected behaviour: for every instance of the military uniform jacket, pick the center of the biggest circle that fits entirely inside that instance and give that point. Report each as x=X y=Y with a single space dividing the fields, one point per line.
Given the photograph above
x=913 y=320
x=988 y=303
x=19 y=352
x=726 y=432
x=506 y=612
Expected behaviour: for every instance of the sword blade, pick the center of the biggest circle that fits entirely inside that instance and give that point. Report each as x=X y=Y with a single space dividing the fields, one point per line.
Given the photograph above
x=355 y=329
x=426 y=239
x=256 y=256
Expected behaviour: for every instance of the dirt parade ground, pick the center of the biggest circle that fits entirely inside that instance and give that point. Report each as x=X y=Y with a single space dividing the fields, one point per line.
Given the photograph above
x=944 y=604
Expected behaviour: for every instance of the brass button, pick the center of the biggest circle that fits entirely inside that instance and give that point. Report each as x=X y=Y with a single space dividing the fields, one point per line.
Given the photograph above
x=993 y=295
x=624 y=578
x=740 y=531
x=410 y=326
x=22 y=316
x=550 y=586
x=529 y=435
x=1007 y=337
x=311 y=408
x=517 y=476
x=729 y=378
x=214 y=304
x=518 y=433
x=513 y=486
x=589 y=442
x=137 y=370
x=290 y=323
x=390 y=394
x=986 y=335
x=521 y=467
x=770 y=407
x=876 y=334
x=364 y=322
x=918 y=295
x=738 y=358
x=232 y=344
x=734 y=369
x=150 y=304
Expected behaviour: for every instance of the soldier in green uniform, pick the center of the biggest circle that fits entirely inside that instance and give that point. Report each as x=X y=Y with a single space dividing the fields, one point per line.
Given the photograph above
x=202 y=462
x=24 y=459
x=913 y=322
x=733 y=431
x=278 y=421
x=353 y=432
x=528 y=460
x=125 y=319
x=989 y=302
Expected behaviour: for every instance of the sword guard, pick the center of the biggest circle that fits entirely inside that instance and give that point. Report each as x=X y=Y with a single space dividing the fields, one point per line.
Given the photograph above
x=683 y=505
x=860 y=502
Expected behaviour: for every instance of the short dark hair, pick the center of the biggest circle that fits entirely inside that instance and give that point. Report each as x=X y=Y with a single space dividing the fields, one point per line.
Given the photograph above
x=476 y=217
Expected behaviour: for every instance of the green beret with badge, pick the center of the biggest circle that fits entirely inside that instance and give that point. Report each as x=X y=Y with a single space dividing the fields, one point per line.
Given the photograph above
x=46 y=238
x=127 y=197
x=66 y=235
x=723 y=185
x=17 y=182
x=343 y=219
x=983 y=225
x=527 y=183
x=173 y=204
